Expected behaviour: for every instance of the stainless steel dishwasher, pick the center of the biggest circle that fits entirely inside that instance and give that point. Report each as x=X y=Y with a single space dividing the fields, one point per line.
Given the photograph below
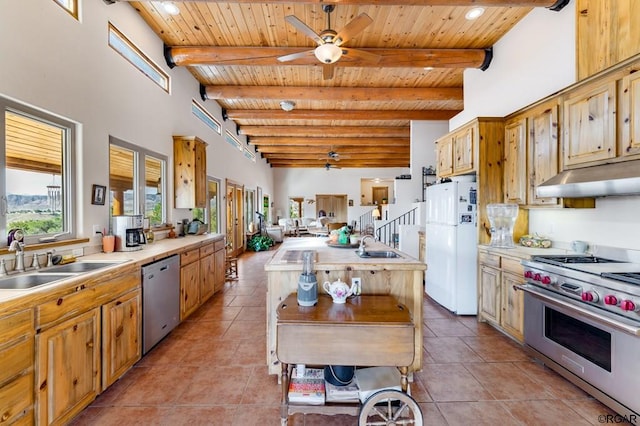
x=160 y=300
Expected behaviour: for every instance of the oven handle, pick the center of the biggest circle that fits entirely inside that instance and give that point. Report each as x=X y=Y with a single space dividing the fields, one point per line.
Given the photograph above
x=599 y=318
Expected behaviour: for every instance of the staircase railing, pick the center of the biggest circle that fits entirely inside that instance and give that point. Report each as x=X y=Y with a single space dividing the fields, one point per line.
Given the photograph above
x=366 y=221
x=388 y=233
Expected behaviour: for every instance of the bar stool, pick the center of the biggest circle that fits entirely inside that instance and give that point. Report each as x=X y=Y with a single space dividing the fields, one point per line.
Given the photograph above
x=232 y=268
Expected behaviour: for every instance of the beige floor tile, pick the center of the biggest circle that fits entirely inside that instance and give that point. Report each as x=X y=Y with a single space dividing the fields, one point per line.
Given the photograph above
x=544 y=413
x=506 y=381
x=477 y=413
x=452 y=382
x=449 y=349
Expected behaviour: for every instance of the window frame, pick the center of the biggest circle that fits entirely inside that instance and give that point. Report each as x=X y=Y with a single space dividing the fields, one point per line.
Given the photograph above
x=73 y=11
x=68 y=169
x=139 y=169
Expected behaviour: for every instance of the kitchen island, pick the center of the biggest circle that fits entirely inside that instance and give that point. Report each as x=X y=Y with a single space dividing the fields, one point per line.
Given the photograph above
x=401 y=277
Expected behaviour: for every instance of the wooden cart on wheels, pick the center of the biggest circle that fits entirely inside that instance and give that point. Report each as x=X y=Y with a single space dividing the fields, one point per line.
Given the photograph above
x=368 y=330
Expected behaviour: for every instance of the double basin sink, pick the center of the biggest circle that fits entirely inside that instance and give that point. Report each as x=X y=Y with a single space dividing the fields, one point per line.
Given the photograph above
x=49 y=275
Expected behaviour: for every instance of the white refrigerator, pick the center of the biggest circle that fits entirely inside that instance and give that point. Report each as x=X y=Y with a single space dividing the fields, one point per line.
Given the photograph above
x=451 y=246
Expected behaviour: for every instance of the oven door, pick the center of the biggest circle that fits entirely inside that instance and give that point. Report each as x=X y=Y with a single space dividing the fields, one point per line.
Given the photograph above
x=591 y=346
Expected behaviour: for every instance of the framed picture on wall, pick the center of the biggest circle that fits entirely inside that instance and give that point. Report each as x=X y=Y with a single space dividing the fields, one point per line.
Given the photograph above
x=98 y=194
x=350 y=203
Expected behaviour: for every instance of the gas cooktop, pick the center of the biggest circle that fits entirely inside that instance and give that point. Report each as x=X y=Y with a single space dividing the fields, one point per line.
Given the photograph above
x=569 y=259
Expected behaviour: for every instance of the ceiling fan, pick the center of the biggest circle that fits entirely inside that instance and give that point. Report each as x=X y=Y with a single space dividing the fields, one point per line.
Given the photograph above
x=329 y=166
x=330 y=49
x=333 y=155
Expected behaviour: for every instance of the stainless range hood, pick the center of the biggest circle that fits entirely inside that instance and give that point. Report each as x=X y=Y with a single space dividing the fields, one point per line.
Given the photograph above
x=597 y=181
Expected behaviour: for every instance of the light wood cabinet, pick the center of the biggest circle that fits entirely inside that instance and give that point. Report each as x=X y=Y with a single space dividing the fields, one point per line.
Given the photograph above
x=219 y=256
x=121 y=331
x=189 y=282
x=499 y=302
x=543 y=147
x=335 y=205
x=16 y=371
x=190 y=172
x=207 y=272
x=68 y=367
x=630 y=116
x=515 y=161
x=477 y=147
x=589 y=122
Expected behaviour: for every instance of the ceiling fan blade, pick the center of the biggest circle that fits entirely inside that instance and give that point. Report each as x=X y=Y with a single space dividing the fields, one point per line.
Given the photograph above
x=327 y=71
x=360 y=54
x=294 y=56
x=303 y=28
x=353 y=28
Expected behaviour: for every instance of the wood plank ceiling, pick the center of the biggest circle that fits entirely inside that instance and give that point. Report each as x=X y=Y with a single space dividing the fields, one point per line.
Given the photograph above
x=358 y=118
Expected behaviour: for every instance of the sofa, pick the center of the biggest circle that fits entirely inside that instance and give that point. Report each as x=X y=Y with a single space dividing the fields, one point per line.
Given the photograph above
x=275 y=232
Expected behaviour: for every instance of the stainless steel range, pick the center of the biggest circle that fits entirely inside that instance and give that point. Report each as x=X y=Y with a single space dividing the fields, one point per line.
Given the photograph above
x=582 y=318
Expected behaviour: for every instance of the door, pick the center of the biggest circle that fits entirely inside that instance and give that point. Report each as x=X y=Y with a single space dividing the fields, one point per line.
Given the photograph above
x=235 y=225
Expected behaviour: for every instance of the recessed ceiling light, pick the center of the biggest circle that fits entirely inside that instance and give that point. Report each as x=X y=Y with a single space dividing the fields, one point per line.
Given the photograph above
x=427 y=68
x=170 y=8
x=474 y=13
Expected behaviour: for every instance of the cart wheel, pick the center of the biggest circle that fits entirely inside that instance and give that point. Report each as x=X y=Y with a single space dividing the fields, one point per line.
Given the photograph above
x=389 y=408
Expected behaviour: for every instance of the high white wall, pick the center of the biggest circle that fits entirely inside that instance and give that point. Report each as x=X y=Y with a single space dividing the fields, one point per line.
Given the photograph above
x=534 y=60
x=55 y=63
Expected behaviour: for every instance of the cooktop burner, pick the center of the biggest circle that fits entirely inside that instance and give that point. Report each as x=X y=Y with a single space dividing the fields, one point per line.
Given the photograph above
x=627 y=277
x=564 y=259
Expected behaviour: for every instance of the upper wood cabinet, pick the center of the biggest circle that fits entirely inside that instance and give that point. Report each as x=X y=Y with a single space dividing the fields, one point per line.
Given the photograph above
x=190 y=172
x=515 y=161
x=589 y=122
x=630 y=115
x=543 y=147
x=476 y=147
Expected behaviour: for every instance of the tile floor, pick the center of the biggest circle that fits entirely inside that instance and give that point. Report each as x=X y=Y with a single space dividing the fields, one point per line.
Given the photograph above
x=211 y=371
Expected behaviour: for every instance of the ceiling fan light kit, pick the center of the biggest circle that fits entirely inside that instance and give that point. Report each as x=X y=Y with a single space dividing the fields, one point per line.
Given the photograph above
x=328 y=53
x=287 y=105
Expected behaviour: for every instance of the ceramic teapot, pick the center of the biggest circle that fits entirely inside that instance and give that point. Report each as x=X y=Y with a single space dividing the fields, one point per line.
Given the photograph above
x=338 y=290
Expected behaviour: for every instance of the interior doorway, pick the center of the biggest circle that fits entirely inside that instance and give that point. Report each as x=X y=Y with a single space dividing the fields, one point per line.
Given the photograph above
x=380 y=196
x=235 y=221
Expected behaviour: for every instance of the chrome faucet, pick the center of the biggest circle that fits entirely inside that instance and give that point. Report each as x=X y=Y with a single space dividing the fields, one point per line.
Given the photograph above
x=18 y=247
x=3 y=268
x=361 y=250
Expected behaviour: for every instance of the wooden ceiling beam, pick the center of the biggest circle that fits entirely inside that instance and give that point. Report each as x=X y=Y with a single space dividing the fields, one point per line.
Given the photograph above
x=370 y=164
x=550 y=4
x=345 y=150
x=365 y=115
x=268 y=56
x=326 y=131
x=322 y=157
x=325 y=142
x=336 y=94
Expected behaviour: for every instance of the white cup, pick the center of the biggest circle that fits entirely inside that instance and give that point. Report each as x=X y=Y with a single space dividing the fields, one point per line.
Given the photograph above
x=579 y=246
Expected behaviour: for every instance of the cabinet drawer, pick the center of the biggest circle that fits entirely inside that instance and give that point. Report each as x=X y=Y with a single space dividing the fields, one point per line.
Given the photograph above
x=219 y=245
x=84 y=299
x=206 y=250
x=16 y=398
x=513 y=266
x=489 y=259
x=189 y=256
x=16 y=358
x=16 y=325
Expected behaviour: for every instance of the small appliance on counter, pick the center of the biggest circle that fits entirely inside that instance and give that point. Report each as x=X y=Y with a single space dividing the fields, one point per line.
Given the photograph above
x=307 y=283
x=129 y=232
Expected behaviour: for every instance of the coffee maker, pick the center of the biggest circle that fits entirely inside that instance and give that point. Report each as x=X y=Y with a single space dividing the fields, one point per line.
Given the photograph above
x=129 y=232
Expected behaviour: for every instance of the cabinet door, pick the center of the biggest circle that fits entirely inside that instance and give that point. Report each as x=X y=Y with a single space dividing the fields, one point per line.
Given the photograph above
x=121 y=336
x=590 y=125
x=463 y=150
x=445 y=157
x=543 y=151
x=207 y=277
x=189 y=289
x=630 y=115
x=190 y=172
x=220 y=267
x=489 y=294
x=512 y=315
x=200 y=179
x=68 y=367
x=515 y=162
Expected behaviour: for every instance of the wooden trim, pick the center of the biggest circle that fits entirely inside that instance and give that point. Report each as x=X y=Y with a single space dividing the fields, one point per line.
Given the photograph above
x=368 y=115
x=469 y=3
x=328 y=131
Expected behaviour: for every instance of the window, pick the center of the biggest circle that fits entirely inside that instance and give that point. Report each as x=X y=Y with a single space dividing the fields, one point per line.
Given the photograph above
x=205 y=117
x=210 y=214
x=70 y=6
x=249 y=208
x=131 y=53
x=132 y=167
x=295 y=207
x=36 y=168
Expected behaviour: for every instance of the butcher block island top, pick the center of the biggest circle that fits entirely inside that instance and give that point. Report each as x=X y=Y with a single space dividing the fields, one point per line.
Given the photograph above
x=401 y=277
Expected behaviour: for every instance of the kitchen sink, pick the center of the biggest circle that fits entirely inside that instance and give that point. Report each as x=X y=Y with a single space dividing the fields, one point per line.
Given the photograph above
x=78 y=267
x=22 y=282
x=381 y=254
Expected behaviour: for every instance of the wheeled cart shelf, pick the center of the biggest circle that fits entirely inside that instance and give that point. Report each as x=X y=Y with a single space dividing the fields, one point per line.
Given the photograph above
x=367 y=331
